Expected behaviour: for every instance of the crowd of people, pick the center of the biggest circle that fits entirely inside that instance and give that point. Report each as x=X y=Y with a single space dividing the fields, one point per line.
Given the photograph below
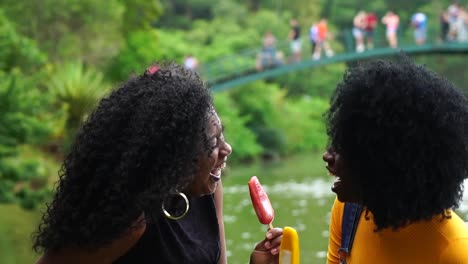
x=318 y=37
x=453 y=27
x=454 y=23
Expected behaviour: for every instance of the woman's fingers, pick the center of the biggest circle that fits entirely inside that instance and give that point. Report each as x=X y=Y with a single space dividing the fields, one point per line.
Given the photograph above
x=273 y=240
x=274 y=233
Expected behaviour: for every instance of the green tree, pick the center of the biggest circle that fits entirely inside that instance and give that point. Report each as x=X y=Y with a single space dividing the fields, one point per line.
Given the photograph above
x=314 y=82
x=145 y=47
x=25 y=118
x=180 y=13
x=140 y=14
x=263 y=103
x=282 y=125
x=16 y=50
x=92 y=31
x=242 y=140
x=303 y=124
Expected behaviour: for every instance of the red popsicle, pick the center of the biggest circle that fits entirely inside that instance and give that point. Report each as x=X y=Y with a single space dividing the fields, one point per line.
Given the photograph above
x=260 y=202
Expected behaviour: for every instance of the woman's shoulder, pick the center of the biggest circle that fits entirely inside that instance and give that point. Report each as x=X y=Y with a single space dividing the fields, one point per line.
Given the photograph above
x=338 y=207
x=455 y=252
x=102 y=255
x=454 y=228
x=455 y=232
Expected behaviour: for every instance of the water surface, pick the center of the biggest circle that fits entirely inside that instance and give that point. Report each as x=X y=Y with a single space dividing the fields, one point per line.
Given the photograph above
x=302 y=202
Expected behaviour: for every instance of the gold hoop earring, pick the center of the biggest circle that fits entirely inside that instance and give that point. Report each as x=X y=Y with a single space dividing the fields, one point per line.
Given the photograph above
x=177 y=217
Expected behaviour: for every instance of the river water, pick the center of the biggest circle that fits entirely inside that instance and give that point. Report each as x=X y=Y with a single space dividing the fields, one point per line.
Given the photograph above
x=303 y=205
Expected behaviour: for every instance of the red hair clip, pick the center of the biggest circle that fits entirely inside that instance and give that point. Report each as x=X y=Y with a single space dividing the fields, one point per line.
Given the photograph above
x=153 y=69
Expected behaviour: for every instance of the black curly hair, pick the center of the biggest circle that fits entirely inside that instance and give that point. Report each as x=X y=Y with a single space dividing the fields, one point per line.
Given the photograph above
x=141 y=143
x=402 y=132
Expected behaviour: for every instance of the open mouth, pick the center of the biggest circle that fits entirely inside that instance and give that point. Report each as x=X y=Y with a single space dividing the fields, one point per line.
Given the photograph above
x=215 y=173
x=332 y=172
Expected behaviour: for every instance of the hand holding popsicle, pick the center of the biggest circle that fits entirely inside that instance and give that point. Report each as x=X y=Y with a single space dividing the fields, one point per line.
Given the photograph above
x=267 y=250
x=279 y=246
x=261 y=203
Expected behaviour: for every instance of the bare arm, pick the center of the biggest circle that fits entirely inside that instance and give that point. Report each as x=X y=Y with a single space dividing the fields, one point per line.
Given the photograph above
x=218 y=198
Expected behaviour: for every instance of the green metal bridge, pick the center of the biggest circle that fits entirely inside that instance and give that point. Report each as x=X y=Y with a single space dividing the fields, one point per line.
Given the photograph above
x=234 y=70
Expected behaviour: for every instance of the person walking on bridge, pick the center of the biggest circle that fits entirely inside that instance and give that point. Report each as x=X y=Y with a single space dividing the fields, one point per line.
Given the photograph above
x=295 y=38
x=419 y=24
x=359 y=23
x=322 y=40
x=392 y=21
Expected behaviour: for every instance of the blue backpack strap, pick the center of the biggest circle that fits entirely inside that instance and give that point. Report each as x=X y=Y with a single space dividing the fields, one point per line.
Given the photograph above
x=352 y=213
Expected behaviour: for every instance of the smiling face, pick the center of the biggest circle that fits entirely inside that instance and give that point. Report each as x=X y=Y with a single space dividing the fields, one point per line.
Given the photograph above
x=212 y=163
x=344 y=186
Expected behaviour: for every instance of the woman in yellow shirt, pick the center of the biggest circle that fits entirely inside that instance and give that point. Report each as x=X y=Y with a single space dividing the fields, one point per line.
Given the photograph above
x=399 y=148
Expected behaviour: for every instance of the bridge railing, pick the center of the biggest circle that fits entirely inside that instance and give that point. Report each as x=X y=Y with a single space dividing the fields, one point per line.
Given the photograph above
x=251 y=61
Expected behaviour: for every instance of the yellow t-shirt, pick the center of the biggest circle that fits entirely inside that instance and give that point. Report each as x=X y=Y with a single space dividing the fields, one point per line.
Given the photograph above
x=434 y=242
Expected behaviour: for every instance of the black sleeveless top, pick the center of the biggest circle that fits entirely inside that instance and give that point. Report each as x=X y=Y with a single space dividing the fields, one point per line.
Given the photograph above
x=192 y=239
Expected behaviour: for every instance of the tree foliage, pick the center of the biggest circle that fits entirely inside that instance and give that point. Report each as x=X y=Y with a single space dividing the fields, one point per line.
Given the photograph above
x=140 y=14
x=25 y=118
x=57 y=58
x=17 y=50
x=236 y=133
x=90 y=30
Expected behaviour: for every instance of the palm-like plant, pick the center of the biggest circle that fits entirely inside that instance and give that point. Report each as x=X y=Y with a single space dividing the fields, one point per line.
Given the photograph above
x=80 y=89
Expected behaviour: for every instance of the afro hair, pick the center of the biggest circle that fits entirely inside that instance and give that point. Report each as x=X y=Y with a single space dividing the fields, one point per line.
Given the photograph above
x=402 y=132
x=141 y=143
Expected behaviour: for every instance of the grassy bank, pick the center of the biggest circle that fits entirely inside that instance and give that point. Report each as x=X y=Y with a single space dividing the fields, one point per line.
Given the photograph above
x=16 y=226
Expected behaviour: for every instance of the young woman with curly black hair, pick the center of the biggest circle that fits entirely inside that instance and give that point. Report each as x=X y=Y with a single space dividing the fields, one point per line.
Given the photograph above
x=399 y=147
x=142 y=183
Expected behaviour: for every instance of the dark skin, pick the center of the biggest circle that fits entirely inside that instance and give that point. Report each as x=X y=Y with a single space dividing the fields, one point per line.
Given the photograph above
x=344 y=186
x=267 y=251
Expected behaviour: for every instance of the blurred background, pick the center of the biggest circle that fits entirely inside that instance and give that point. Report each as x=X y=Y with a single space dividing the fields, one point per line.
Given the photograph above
x=58 y=58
